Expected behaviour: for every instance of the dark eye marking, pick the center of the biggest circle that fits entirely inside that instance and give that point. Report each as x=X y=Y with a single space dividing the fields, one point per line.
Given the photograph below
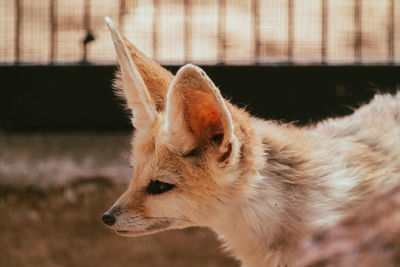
x=157 y=187
x=218 y=138
x=192 y=153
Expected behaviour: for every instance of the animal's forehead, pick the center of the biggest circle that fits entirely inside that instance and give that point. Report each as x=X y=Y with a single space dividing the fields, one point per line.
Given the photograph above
x=157 y=163
x=150 y=149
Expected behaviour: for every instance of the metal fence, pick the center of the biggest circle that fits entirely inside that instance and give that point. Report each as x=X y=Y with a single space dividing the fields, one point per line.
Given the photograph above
x=203 y=32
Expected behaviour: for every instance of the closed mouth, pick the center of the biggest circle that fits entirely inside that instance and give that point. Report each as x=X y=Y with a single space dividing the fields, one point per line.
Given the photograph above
x=129 y=233
x=122 y=232
x=152 y=228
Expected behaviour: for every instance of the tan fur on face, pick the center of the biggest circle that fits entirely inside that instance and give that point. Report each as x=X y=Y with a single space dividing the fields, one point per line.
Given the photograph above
x=263 y=188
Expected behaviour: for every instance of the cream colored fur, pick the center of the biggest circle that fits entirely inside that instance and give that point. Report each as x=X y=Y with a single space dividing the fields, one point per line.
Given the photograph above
x=265 y=185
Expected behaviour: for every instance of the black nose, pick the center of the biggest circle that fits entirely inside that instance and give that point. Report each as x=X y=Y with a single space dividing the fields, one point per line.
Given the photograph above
x=108 y=219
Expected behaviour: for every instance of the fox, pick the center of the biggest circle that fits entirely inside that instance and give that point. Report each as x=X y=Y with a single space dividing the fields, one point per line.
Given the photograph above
x=262 y=186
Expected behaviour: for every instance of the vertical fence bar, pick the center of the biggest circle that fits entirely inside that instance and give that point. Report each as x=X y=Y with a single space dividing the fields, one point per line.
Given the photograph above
x=121 y=13
x=290 y=30
x=358 y=31
x=221 y=31
x=156 y=18
x=188 y=30
x=53 y=30
x=18 y=20
x=86 y=21
x=256 y=30
x=324 y=30
x=391 y=26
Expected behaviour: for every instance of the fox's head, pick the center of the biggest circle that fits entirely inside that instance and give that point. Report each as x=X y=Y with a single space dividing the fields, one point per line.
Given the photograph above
x=185 y=147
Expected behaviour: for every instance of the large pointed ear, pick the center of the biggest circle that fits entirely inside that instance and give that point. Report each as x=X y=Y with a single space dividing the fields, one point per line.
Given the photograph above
x=144 y=83
x=196 y=114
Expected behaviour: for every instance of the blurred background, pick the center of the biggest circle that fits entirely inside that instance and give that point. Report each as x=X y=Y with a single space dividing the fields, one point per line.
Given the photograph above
x=64 y=136
x=203 y=32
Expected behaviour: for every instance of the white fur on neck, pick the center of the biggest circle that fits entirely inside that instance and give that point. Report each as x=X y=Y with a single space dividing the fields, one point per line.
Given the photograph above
x=254 y=229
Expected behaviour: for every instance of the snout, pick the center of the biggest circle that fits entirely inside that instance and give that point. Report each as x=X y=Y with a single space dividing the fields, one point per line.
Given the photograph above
x=130 y=223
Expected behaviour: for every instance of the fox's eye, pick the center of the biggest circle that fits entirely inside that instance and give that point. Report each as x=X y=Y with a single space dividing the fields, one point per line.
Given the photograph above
x=157 y=187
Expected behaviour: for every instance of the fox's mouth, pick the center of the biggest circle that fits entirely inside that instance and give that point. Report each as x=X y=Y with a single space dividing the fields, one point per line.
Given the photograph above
x=123 y=231
x=138 y=233
x=150 y=229
x=129 y=233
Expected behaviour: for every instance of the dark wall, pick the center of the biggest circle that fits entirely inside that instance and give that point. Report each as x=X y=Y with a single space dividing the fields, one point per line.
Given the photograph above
x=42 y=98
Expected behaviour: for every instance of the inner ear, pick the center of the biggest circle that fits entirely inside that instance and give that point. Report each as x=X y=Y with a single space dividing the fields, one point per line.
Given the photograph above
x=202 y=116
x=197 y=114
